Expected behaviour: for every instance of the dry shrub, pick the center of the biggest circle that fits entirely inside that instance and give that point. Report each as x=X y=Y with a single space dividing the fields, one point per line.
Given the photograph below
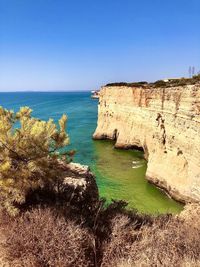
x=114 y=237
x=169 y=241
x=186 y=262
x=40 y=238
x=103 y=227
x=124 y=232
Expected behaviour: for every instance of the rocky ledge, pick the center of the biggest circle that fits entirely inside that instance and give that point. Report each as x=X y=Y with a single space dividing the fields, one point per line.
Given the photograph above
x=165 y=123
x=80 y=184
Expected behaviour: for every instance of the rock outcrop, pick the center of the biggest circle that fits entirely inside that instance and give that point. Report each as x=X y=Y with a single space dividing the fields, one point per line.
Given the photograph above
x=79 y=183
x=165 y=123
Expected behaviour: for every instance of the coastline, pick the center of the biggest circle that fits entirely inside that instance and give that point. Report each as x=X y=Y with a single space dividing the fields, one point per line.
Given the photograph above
x=163 y=122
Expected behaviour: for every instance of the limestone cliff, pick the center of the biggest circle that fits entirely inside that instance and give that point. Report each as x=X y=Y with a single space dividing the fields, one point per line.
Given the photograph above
x=165 y=123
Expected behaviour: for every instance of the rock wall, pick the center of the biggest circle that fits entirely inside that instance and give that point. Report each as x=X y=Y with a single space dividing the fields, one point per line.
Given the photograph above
x=80 y=184
x=165 y=123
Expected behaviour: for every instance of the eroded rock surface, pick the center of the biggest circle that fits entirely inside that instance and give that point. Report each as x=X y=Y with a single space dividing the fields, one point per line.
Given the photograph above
x=79 y=183
x=165 y=122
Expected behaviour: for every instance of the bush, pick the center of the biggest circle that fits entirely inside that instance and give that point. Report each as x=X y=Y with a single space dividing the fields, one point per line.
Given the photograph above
x=169 y=241
x=136 y=84
x=196 y=78
x=47 y=237
x=42 y=238
x=160 y=83
x=113 y=237
x=29 y=153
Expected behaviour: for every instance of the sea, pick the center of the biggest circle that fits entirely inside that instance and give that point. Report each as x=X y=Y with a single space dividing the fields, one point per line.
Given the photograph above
x=120 y=174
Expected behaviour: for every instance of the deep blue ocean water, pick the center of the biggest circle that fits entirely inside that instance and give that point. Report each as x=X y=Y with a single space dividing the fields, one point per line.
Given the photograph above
x=120 y=174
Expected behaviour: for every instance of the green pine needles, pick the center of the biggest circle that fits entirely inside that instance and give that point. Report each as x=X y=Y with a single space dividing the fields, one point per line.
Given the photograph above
x=29 y=155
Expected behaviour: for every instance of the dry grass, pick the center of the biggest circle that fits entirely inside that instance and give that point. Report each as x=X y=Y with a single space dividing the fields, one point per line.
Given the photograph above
x=169 y=241
x=40 y=238
x=112 y=238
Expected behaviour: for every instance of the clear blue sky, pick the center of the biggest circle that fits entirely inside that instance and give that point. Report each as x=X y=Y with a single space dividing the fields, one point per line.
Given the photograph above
x=83 y=44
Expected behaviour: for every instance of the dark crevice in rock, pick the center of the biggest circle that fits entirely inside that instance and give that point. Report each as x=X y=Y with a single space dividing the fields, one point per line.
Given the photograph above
x=177 y=99
x=163 y=98
x=115 y=134
x=161 y=123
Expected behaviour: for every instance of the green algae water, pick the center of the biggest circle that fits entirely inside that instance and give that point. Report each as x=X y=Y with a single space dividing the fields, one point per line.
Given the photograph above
x=120 y=174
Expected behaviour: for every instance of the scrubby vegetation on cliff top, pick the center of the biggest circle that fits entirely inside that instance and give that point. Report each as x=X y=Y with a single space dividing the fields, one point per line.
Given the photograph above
x=29 y=153
x=63 y=233
x=111 y=237
x=160 y=83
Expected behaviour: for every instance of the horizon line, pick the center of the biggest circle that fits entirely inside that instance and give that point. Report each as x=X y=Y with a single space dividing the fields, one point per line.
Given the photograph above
x=45 y=91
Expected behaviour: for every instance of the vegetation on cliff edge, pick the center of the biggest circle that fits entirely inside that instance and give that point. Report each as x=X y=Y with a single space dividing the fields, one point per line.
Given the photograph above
x=160 y=83
x=29 y=155
x=64 y=233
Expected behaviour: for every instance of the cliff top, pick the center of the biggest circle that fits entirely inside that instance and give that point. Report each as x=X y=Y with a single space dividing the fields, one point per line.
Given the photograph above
x=160 y=83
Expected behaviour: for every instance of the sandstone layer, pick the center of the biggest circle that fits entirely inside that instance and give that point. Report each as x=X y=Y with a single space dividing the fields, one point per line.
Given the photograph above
x=165 y=123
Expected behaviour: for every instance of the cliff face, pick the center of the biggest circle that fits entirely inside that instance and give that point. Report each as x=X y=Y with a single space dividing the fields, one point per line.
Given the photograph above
x=165 y=123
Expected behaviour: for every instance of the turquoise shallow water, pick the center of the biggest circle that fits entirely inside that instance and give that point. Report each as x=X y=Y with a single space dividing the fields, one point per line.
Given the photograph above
x=120 y=174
